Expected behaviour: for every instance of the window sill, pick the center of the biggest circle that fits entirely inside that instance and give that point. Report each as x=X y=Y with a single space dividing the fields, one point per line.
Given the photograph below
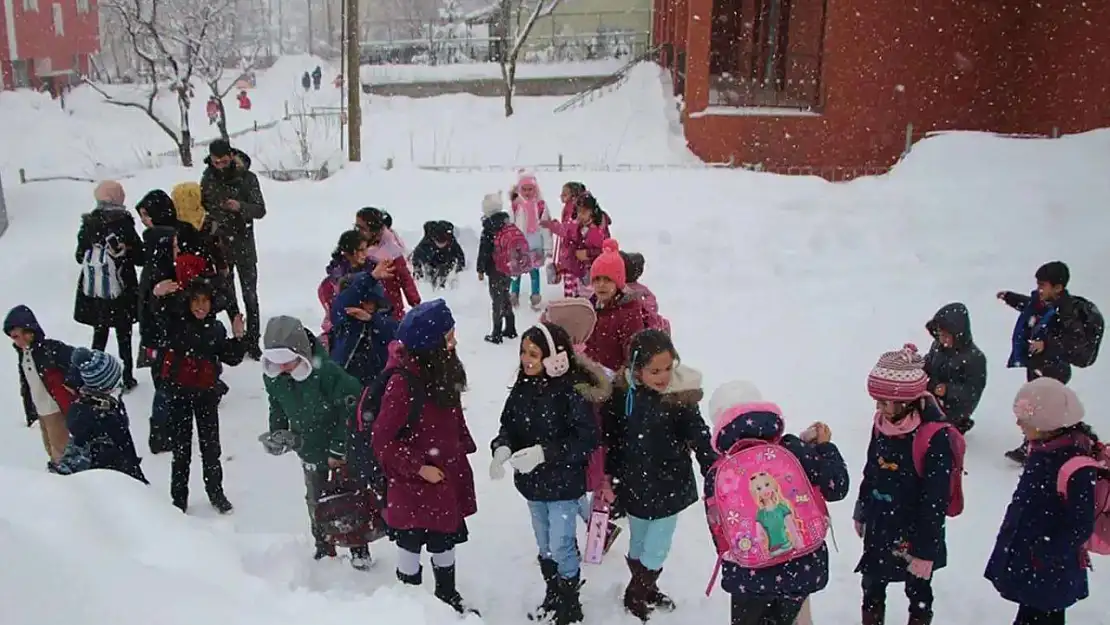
x=753 y=111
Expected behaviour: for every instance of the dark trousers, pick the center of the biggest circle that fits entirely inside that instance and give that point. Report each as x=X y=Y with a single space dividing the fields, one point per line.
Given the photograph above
x=765 y=610
x=918 y=591
x=314 y=481
x=246 y=267
x=123 y=344
x=504 y=320
x=159 y=440
x=183 y=409
x=1032 y=616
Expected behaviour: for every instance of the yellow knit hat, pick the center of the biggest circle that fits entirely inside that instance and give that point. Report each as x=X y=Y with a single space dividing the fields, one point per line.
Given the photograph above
x=186 y=201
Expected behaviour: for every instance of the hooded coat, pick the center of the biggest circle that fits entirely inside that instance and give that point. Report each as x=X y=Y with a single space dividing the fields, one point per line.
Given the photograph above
x=110 y=220
x=361 y=347
x=99 y=429
x=617 y=323
x=234 y=182
x=52 y=362
x=826 y=470
x=195 y=350
x=158 y=266
x=649 y=448
x=318 y=409
x=962 y=368
x=429 y=259
x=491 y=226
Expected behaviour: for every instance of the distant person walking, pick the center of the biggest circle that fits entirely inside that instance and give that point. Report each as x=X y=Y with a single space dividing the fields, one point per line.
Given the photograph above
x=306 y=81
x=317 y=76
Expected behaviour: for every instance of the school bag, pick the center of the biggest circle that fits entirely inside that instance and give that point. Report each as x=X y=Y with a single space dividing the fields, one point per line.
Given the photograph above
x=360 y=451
x=100 y=277
x=764 y=511
x=1086 y=352
x=511 y=254
x=1099 y=542
x=921 y=439
x=348 y=512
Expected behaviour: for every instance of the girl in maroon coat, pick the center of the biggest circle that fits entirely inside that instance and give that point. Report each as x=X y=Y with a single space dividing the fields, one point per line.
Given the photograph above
x=431 y=486
x=620 y=315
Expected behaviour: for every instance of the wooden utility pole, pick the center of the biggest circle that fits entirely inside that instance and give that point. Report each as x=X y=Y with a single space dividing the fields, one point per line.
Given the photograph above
x=309 y=4
x=354 y=84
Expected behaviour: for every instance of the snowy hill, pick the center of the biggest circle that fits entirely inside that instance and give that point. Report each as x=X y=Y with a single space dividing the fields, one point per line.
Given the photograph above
x=793 y=283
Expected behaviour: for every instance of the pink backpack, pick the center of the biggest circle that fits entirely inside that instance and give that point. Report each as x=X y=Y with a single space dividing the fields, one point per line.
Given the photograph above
x=1099 y=542
x=921 y=439
x=764 y=511
x=511 y=254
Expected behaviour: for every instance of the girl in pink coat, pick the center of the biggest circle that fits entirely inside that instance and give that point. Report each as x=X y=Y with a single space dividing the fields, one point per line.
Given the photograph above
x=529 y=211
x=569 y=196
x=580 y=246
x=634 y=264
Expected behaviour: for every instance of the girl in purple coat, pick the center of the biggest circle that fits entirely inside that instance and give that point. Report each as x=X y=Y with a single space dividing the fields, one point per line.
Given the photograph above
x=431 y=486
x=1038 y=560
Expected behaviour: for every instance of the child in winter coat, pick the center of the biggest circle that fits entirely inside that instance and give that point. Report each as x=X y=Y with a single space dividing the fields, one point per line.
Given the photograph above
x=548 y=431
x=529 y=211
x=494 y=218
x=619 y=314
x=97 y=420
x=311 y=401
x=634 y=264
x=569 y=197
x=581 y=241
x=386 y=246
x=362 y=328
x=774 y=595
x=46 y=379
x=348 y=259
x=431 y=486
x=651 y=424
x=189 y=368
x=900 y=513
x=438 y=255
x=956 y=368
x=1038 y=560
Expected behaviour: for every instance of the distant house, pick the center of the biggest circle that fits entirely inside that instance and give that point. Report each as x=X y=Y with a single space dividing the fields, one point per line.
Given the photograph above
x=45 y=43
x=580 y=23
x=841 y=88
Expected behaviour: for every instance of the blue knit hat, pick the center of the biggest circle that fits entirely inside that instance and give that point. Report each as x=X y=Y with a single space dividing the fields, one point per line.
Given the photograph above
x=99 y=371
x=424 y=327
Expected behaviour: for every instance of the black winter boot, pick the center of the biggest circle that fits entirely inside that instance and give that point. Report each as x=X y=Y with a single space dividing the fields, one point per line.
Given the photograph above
x=220 y=503
x=636 y=594
x=447 y=592
x=323 y=551
x=360 y=558
x=874 y=615
x=656 y=599
x=920 y=618
x=568 y=609
x=550 y=572
x=415 y=579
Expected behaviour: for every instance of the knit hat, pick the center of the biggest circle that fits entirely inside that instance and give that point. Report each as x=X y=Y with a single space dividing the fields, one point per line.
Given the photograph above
x=1047 y=405
x=610 y=264
x=109 y=192
x=729 y=394
x=898 y=376
x=576 y=315
x=425 y=325
x=634 y=265
x=187 y=203
x=492 y=204
x=99 y=371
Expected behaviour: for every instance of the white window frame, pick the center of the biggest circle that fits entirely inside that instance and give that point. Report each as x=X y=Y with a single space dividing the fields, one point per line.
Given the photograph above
x=31 y=5
x=59 y=20
x=82 y=6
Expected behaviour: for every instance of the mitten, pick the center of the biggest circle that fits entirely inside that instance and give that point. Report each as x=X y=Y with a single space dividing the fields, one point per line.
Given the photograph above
x=922 y=569
x=526 y=460
x=497 y=466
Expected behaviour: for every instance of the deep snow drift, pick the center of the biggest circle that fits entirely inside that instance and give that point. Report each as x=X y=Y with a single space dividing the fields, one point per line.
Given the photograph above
x=793 y=283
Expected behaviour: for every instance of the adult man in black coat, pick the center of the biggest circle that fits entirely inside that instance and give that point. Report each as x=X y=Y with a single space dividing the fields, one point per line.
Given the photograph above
x=233 y=198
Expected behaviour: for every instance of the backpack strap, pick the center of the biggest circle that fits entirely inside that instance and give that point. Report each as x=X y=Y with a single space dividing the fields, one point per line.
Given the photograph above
x=416 y=401
x=1069 y=469
x=921 y=440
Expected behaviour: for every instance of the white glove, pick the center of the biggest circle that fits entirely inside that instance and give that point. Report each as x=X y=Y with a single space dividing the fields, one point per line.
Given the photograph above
x=497 y=467
x=526 y=460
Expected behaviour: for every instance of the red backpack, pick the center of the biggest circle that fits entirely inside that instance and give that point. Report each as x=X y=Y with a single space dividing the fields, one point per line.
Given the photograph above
x=1099 y=541
x=511 y=254
x=921 y=439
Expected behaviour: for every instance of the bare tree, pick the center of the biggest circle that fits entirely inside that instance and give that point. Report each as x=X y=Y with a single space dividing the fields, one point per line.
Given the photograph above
x=223 y=47
x=507 y=56
x=168 y=38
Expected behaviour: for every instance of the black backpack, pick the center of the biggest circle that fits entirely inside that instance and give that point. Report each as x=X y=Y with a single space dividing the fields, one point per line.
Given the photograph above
x=361 y=462
x=1092 y=325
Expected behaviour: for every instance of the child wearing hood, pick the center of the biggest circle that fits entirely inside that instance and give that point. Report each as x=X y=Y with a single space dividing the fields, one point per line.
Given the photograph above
x=362 y=328
x=311 y=402
x=438 y=256
x=494 y=219
x=46 y=379
x=774 y=595
x=529 y=212
x=100 y=434
x=620 y=315
x=957 y=369
x=903 y=499
x=634 y=265
x=386 y=247
x=347 y=260
x=651 y=425
x=548 y=433
x=431 y=485
x=1039 y=561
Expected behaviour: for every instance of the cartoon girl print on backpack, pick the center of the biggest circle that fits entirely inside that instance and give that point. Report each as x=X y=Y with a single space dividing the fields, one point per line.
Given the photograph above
x=775 y=515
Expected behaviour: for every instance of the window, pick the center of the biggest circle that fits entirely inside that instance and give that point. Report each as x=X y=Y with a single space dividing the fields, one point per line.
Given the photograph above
x=767 y=53
x=59 y=27
x=31 y=5
x=82 y=7
x=21 y=77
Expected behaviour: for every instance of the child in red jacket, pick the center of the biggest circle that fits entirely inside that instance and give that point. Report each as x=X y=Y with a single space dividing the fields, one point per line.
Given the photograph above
x=620 y=315
x=386 y=246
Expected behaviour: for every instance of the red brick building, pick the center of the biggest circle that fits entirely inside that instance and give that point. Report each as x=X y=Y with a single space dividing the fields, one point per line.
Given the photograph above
x=47 y=41
x=836 y=87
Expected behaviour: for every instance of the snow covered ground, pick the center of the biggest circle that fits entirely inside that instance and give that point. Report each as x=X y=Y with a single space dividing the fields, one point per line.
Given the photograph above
x=793 y=283
x=393 y=74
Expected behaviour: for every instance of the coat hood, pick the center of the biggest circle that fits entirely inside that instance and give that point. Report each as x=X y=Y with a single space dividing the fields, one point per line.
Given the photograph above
x=389 y=247
x=600 y=386
x=398 y=356
x=22 y=317
x=106 y=215
x=284 y=332
x=954 y=319
x=495 y=222
x=685 y=388
x=159 y=207
x=339 y=267
x=757 y=420
x=365 y=288
x=241 y=161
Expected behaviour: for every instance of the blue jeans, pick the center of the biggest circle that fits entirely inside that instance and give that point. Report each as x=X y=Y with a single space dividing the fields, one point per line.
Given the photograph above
x=649 y=541
x=534 y=275
x=555 y=524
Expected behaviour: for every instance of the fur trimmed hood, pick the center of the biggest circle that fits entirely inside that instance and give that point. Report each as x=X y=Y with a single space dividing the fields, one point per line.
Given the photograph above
x=601 y=389
x=685 y=388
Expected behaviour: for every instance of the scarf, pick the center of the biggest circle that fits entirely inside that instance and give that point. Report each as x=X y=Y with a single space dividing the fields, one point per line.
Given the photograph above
x=531 y=210
x=389 y=247
x=903 y=427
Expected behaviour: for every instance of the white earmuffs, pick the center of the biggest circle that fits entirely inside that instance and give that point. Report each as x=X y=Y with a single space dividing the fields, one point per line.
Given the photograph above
x=558 y=363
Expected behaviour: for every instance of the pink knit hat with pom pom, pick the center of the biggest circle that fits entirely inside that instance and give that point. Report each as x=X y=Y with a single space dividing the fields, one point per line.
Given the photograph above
x=1047 y=405
x=898 y=376
x=610 y=264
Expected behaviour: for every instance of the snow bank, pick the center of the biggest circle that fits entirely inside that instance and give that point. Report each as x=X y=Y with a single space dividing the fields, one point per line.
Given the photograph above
x=395 y=74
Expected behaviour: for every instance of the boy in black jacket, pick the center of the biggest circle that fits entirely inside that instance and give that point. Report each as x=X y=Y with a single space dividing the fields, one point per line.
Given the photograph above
x=494 y=218
x=196 y=346
x=438 y=254
x=957 y=369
